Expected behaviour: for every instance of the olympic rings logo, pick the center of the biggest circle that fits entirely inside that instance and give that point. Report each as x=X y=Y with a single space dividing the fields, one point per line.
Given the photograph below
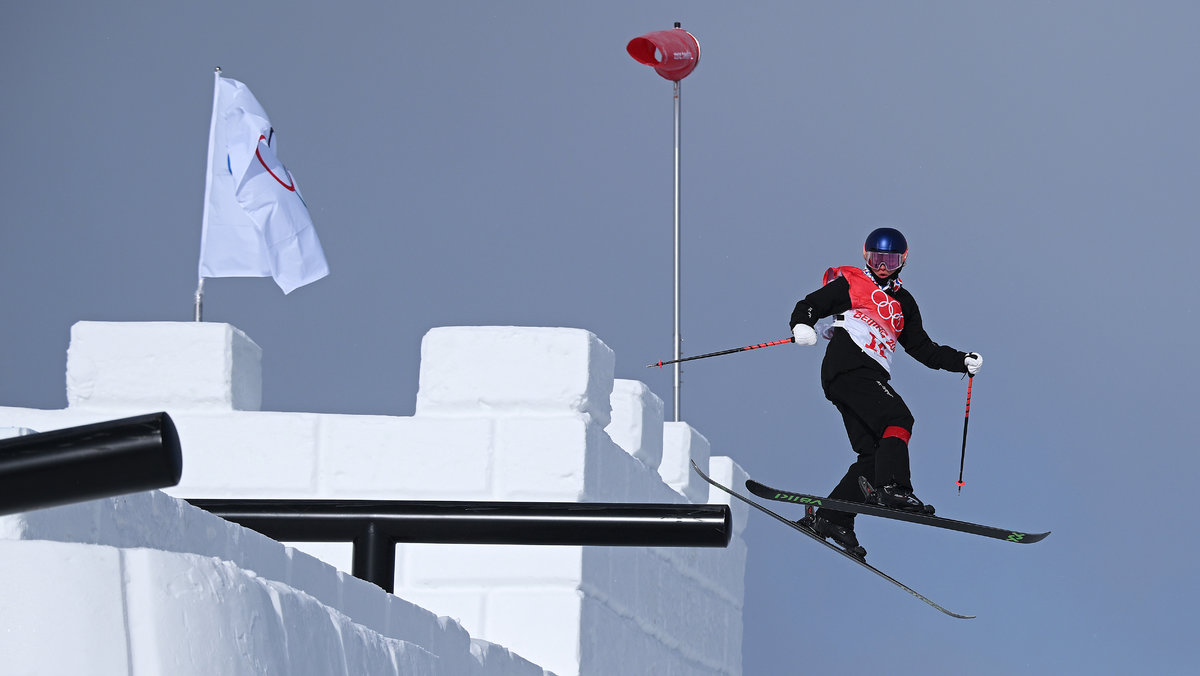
x=888 y=308
x=291 y=185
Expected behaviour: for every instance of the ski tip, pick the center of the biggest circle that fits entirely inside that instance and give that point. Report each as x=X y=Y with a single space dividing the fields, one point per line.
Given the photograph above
x=1026 y=538
x=757 y=486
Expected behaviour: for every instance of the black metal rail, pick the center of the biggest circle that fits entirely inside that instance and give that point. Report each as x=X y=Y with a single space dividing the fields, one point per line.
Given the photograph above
x=89 y=462
x=376 y=526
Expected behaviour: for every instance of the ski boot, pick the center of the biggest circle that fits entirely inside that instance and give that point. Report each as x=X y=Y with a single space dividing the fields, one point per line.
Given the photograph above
x=894 y=496
x=840 y=535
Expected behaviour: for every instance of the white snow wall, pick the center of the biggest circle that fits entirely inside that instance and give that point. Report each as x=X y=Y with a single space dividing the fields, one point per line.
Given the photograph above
x=503 y=413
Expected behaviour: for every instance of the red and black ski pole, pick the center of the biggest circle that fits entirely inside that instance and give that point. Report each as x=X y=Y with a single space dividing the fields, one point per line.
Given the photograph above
x=966 y=421
x=717 y=354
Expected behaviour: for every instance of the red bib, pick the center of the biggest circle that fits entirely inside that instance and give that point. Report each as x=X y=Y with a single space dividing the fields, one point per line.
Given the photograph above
x=874 y=319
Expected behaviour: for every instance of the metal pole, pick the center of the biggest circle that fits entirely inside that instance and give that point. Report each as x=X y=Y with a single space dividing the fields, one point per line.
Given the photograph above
x=200 y=300
x=499 y=523
x=718 y=354
x=374 y=558
x=678 y=339
x=208 y=175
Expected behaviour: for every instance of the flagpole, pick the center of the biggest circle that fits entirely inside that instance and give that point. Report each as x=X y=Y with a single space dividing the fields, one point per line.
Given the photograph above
x=678 y=339
x=200 y=300
x=673 y=56
x=212 y=131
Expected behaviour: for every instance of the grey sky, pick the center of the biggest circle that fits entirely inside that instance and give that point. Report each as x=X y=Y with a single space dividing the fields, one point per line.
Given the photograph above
x=508 y=163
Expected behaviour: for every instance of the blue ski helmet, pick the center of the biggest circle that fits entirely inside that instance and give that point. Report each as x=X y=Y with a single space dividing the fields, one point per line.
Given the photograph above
x=886 y=250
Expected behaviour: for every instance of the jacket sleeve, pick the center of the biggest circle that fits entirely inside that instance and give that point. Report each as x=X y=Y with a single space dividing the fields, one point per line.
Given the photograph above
x=917 y=343
x=832 y=298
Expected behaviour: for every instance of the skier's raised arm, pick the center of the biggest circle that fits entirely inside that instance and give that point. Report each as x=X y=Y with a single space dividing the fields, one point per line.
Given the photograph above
x=920 y=346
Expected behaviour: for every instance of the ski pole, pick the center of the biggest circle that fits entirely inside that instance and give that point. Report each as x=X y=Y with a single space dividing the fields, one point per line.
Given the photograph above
x=717 y=354
x=966 y=420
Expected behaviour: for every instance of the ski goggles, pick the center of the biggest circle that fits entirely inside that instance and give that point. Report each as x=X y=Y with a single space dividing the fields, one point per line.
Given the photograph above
x=889 y=261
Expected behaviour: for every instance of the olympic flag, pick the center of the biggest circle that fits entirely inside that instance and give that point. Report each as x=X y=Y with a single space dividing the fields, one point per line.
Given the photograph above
x=255 y=222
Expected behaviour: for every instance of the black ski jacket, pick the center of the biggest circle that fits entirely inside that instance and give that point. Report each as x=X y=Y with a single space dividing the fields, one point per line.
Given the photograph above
x=843 y=354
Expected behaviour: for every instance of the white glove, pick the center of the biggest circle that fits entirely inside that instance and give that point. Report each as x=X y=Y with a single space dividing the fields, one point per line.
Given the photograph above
x=804 y=334
x=973 y=362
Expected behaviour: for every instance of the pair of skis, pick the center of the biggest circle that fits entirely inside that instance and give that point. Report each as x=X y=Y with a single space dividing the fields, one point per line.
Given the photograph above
x=764 y=491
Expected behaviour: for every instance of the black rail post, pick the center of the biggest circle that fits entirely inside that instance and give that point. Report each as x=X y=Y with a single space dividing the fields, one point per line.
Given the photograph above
x=375 y=557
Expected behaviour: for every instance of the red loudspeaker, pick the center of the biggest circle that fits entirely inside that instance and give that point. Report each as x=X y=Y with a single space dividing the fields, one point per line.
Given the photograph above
x=673 y=53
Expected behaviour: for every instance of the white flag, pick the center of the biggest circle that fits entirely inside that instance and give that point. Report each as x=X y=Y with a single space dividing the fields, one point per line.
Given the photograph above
x=255 y=221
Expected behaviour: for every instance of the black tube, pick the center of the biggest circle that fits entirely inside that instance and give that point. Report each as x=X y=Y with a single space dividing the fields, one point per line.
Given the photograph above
x=375 y=558
x=375 y=526
x=89 y=462
x=497 y=523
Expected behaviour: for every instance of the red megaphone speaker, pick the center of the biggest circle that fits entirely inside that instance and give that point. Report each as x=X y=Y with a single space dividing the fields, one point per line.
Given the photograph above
x=673 y=53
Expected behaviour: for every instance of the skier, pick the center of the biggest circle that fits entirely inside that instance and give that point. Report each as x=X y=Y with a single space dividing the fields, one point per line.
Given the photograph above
x=873 y=312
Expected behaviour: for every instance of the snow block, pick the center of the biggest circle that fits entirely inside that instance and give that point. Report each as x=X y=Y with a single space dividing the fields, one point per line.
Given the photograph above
x=133 y=520
x=40 y=420
x=543 y=621
x=626 y=579
x=224 y=455
x=498 y=370
x=386 y=457
x=362 y=602
x=459 y=660
x=541 y=458
x=151 y=519
x=637 y=421
x=500 y=661
x=441 y=636
x=10 y=432
x=726 y=472
x=669 y=593
x=210 y=561
x=681 y=445
x=719 y=571
x=463 y=608
x=63 y=609
x=340 y=555
x=311 y=636
x=412 y=659
x=317 y=578
x=608 y=628
x=367 y=652
x=612 y=475
x=438 y=566
x=209 y=601
x=157 y=365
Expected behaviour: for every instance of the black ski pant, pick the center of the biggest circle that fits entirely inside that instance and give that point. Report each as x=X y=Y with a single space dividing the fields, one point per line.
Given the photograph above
x=879 y=425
